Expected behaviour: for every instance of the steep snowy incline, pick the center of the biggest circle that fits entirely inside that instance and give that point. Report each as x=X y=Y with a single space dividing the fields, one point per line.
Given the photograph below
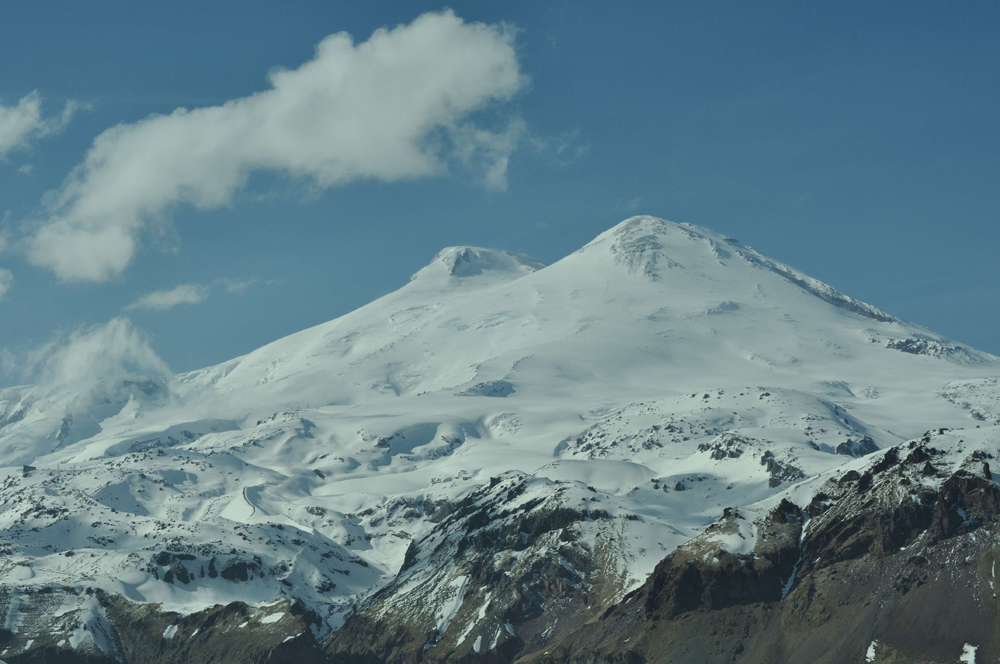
x=644 y=301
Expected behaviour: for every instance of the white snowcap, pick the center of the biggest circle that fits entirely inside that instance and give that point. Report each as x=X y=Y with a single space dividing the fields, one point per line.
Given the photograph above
x=464 y=263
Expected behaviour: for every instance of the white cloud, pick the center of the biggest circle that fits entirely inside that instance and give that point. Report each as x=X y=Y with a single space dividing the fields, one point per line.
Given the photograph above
x=6 y=281
x=238 y=285
x=395 y=107
x=561 y=149
x=90 y=355
x=22 y=123
x=162 y=300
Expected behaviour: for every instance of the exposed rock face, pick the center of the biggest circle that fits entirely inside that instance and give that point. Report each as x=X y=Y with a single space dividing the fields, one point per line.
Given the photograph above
x=933 y=349
x=857 y=448
x=890 y=561
x=886 y=553
x=109 y=629
x=514 y=566
x=891 y=556
x=734 y=446
x=704 y=575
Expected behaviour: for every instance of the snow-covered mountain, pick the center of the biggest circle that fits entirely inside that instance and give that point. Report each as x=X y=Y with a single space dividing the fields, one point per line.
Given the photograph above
x=479 y=462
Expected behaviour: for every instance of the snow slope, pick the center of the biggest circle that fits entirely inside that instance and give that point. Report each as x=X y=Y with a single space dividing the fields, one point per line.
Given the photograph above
x=673 y=370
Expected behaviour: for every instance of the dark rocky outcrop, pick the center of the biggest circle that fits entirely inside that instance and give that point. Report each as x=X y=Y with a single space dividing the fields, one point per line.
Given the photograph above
x=857 y=448
x=700 y=575
x=112 y=629
x=892 y=561
x=883 y=559
x=511 y=562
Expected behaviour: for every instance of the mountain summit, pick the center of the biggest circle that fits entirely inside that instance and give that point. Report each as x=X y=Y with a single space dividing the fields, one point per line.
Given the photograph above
x=481 y=462
x=652 y=246
x=462 y=263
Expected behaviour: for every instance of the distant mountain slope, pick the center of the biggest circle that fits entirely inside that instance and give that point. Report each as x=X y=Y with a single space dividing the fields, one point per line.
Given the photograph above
x=681 y=294
x=474 y=466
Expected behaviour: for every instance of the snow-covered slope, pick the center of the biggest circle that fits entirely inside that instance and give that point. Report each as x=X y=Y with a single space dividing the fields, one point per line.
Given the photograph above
x=673 y=371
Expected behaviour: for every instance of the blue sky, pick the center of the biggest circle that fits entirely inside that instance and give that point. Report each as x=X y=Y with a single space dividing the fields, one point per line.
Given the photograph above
x=857 y=142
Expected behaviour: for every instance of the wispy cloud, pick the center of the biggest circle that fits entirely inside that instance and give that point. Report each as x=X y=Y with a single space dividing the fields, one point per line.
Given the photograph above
x=6 y=281
x=241 y=286
x=395 y=107
x=162 y=300
x=22 y=123
x=633 y=204
x=562 y=149
x=87 y=356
